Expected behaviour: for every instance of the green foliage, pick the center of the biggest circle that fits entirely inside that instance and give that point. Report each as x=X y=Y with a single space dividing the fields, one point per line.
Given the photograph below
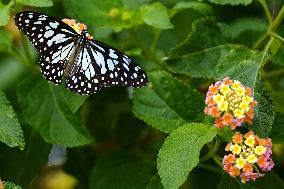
x=227 y=182
x=10 y=185
x=277 y=134
x=156 y=136
x=36 y=3
x=4 y=13
x=180 y=152
x=10 y=129
x=118 y=170
x=157 y=16
x=231 y=2
x=46 y=110
x=167 y=94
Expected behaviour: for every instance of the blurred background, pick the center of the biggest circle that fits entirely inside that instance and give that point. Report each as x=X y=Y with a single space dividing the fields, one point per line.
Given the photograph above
x=124 y=149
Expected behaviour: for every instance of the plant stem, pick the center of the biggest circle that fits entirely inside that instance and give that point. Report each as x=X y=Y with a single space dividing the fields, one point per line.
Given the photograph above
x=212 y=152
x=278 y=19
x=260 y=41
x=267 y=12
x=155 y=39
x=276 y=36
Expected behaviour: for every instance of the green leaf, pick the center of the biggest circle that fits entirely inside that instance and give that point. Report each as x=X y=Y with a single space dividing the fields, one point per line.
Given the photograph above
x=167 y=103
x=205 y=34
x=10 y=185
x=228 y=182
x=270 y=180
x=241 y=64
x=149 y=107
x=5 y=14
x=120 y=171
x=46 y=110
x=279 y=56
x=226 y=134
x=241 y=30
x=36 y=3
x=203 y=8
x=264 y=111
x=22 y=166
x=231 y=2
x=180 y=152
x=10 y=129
x=73 y=100
x=277 y=132
x=156 y=15
x=5 y=41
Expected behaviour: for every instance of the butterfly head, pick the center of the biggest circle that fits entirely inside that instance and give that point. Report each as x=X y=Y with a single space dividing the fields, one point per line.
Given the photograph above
x=80 y=28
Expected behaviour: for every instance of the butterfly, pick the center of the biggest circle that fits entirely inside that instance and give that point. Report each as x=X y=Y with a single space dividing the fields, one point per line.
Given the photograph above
x=68 y=54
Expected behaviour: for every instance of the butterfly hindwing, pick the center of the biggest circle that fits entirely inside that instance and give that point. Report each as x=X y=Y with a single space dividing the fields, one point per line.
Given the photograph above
x=84 y=76
x=116 y=67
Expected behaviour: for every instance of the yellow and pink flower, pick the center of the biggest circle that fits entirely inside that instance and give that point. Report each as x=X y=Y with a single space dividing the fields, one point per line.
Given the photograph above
x=230 y=103
x=249 y=156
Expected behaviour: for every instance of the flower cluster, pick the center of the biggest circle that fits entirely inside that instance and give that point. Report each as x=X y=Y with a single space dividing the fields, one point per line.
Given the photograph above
x=248 y=156
x=230 y=103
x=77 y=26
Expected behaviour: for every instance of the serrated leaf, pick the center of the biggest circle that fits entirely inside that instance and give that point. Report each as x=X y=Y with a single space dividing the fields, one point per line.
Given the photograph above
x=26 y=164
x=5 y=13
x=277 y=132
x=148 y=106
x=231 y=2
x=168 y=103
x=241 y=31
x=36 y=3
x=120 y=171
x=5 y=40
x=228 y=182
x=180 y=152
x=156 y=15
x=264 y=111
x=205 y=34
x=10 y=185
x=226 y=134
x=10 y=129
x=45 y=109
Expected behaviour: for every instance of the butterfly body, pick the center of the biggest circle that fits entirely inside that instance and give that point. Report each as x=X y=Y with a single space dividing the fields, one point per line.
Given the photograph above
x=69 y=54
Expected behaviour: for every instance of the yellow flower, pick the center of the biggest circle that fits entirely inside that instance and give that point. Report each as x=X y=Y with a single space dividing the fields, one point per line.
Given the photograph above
x=236 y=84
x=76 y=28
x=247 y=99
x=225 y=89
x=240 y=91
x=250 y=141
x=252 y=158
x=218 y=98
x=223 y=106
x=240 y=163
x=238 y=113
x=244 y=106
x=236 y=149
x=259 y=150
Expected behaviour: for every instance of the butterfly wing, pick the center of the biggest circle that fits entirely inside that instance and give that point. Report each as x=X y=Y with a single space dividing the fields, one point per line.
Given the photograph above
x=117 y=68
x=84 y=76
x=54 y=40
x=100 y=65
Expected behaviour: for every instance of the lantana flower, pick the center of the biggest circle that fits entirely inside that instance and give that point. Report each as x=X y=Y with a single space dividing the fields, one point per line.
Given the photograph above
x=77 y=26
x=230 y=103
x=249 y=156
